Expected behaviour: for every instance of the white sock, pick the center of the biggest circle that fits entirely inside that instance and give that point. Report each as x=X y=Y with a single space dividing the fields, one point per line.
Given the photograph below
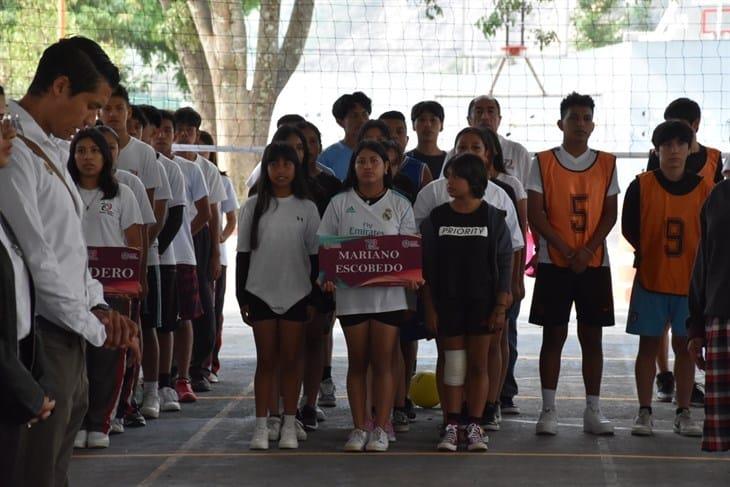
x=548 y=398
x=150 y=386
x=592 y=402
x=261 y=422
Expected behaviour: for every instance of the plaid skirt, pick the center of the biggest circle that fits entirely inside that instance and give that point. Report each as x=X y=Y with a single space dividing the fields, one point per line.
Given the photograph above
x=188 y=295
x=716 y=435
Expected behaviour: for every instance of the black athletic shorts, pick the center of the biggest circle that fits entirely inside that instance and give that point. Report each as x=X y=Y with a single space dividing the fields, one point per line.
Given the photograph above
x=258 y=310
x=557 y=288
x=151 y=313
x=392 y=318
x=461 y=318
x=168 y=297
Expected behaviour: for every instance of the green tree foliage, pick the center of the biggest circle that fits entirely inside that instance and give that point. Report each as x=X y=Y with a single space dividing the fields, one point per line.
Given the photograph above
x=598 y=23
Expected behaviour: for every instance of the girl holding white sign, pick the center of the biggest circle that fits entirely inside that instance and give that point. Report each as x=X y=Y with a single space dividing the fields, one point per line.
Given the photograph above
x=467 y=254
x=277 y=229
x=369 y=316
x=111 y=218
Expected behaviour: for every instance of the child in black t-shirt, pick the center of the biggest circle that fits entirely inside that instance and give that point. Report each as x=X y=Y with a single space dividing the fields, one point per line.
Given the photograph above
x=467 y=255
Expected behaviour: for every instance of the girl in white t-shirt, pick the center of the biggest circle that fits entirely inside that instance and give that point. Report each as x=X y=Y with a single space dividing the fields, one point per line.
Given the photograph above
x=111 y=218
x=369 y=316
x=484 y=143
x=275 y=268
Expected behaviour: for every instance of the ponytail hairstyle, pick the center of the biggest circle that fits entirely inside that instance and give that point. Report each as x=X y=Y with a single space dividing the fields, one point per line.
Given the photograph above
x=107 y=182
x=264 y=188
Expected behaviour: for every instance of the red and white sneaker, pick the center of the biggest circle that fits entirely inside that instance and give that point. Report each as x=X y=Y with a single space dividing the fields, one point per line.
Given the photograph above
x=185 y=391
x=450 y=439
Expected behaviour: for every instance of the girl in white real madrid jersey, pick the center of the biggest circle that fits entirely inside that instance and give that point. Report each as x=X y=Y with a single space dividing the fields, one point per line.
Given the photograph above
x=369 y=316
x=111 y=218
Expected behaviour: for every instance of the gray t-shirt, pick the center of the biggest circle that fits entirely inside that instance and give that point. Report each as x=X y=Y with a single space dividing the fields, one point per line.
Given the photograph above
x=280 y=268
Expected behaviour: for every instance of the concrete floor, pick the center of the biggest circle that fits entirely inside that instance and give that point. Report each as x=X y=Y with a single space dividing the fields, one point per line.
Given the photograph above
x=207 y=443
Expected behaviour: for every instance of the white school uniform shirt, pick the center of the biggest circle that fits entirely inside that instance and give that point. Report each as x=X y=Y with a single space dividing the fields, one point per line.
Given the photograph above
x=22 y=285
x=195 y=190
x=580 y=163
x=162 y=193
x=105 y=220
x=515 y=184
x=140 y=159
x=140 y=195
x=177 y=198
x=41 y=212
x=227 y=205
x=726 y=167
x=435 y=194
x=348 y=215
x=279 y=272
x=517 y=159
x=216 y=192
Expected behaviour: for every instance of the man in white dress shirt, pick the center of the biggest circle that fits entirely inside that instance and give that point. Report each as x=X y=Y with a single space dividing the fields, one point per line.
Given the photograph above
x=73 y=81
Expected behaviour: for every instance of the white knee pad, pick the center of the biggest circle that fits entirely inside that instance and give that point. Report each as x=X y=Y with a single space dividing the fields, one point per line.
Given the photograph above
x=454 y=367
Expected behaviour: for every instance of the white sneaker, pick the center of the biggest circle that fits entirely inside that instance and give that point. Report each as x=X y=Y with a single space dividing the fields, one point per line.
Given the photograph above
x=301 y=432
x=547 y=424
x=150 y=404
x=356 y=441
x=117 y=427
x=169 y=401
x=595 y=423
x=683 y=425
x=260 y=438
x=97 y=439
x=450 y=440
x=80 y=439
x=213 y=378
x=378 y=440
x=498 y=413
x=274 y=425
x=288 y=439
x=643 y=424
x=475 y=438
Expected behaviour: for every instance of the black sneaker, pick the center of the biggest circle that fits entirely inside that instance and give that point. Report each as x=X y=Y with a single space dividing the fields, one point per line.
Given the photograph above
x=410 y=409
x=308 y=416
x=665 y=386
x=698 y=396
x=509 y=407
x=134 y=419
x=489 y=420
x=201 y=384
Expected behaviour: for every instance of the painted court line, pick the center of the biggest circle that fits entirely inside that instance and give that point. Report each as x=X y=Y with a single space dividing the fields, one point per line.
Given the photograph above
x=191 y=444
x=247 y=396
x=246 y=454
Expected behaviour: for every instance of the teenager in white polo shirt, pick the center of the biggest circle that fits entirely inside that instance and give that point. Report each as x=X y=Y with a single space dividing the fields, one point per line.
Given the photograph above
x=197 y=214
x=228 y=208
x=111 y=218
x=150 y=120
x=207 y=252
x=73 y=81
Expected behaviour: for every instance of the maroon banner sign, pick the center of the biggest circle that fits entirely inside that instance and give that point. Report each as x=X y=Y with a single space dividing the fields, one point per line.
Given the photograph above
x=388 y=260
x=117 y=268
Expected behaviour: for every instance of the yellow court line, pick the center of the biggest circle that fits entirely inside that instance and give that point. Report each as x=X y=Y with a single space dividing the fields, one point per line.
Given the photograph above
x=559 y=398
x=587 y=456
